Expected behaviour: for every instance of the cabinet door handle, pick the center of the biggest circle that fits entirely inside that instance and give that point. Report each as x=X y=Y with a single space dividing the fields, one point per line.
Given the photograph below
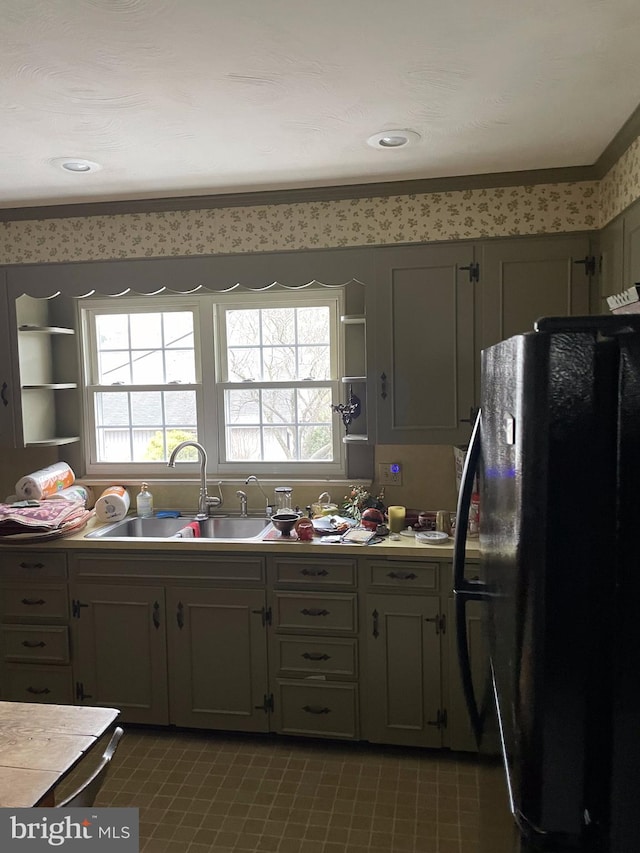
x=180 y=615
x=156 y=614
x=32 y=565
x=33 y=601
x=32 y=644
x=38 y=691
x=383 y=386
x=314 y=611
x=315 y=573
x=3 y=394
x=402 y=576
x=376 y=632
x=316 y=709
x=315 y=656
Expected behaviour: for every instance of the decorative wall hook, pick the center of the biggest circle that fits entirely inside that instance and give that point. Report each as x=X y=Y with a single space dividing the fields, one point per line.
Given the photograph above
x=348 y=411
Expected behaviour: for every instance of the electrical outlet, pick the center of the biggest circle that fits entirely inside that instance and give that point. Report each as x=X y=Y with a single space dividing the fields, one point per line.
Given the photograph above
x=389 y=474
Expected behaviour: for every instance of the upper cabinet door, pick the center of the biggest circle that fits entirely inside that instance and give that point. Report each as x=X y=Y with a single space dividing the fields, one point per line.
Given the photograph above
x=9 y=394
x=422 y=370
x=631 y=272
x=523 y=280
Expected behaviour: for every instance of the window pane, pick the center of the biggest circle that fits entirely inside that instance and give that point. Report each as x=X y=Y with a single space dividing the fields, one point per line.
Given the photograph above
x=112 y=331
x=313 y=325
x=180 y=408
x=114 y=368
x=279 y=364
x=243 y=443
x=146 y=330
x=314 y=362
x=147 y=368
x=112 y=409
x=278 y=406
x=114 y=445
x=243 y=327
x=157 y=446
x=280 y=444
x=316 y=443
x=314 y=406
x=178 y=329
x=146 y=408
x=278 y=326
x=244 y=364
x=180 y=366
x=243 y=407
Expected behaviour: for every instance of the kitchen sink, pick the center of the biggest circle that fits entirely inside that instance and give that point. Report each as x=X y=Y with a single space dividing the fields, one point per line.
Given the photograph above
x=216 y=527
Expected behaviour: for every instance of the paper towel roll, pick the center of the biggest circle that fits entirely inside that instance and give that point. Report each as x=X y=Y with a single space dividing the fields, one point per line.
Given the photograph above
x=113 y=504
x=75 y=493
x=45 y=482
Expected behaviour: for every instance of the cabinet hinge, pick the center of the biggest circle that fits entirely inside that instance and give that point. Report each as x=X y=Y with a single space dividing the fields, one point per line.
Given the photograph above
x=440 y=721
x=76 y=604
x=474 y=271
x=589 y=263
x=80 y=694
x=265 y=613
x=440 y=621
x=267 y=704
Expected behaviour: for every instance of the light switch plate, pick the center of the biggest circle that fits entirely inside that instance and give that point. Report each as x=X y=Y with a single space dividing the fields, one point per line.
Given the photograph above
x=389 y=474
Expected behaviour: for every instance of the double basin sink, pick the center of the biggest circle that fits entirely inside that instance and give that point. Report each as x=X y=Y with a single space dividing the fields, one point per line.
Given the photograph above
x=216 y=527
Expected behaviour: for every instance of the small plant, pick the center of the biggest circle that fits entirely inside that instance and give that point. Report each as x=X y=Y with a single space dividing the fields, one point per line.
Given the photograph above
x=359 y=499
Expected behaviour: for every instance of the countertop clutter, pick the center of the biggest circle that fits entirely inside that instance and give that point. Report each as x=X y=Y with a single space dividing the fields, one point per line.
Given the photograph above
x=272 y=542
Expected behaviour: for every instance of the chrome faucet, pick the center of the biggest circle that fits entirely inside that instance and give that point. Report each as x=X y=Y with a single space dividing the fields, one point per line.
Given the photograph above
x=243 y=503
x=269 y=507
x=204 y=501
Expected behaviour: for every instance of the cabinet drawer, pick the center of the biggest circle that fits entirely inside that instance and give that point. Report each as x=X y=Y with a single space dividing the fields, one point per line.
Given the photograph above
x=33 y=566
x=405 y=574
x=312 y=709
x=231 y=568
x=315 y=572
x=319 y=614
x=33 y=602
x=32 y=683
x=40 y=643
x=330 y=656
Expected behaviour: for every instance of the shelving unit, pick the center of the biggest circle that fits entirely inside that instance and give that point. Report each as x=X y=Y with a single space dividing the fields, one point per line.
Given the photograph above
x=48 y=370
x=355 y=361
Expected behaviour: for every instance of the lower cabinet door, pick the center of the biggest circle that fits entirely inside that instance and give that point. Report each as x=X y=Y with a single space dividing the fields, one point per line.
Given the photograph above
x=459 y=733
x=403 y=702
x=218 y=658
x=119 y=650
x=316 y=709
x=32 y=683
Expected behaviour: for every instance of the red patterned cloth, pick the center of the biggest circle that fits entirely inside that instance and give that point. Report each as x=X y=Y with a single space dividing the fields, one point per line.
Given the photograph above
x=44 y=516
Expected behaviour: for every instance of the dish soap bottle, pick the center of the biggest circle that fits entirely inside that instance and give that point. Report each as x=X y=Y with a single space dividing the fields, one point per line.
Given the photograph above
x=144 y=502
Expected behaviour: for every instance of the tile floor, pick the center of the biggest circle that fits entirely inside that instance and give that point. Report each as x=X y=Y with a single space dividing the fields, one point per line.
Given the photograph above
x=212 y=792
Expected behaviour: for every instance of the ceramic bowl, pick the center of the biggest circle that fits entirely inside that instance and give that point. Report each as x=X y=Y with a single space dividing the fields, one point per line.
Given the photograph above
x=284 y=522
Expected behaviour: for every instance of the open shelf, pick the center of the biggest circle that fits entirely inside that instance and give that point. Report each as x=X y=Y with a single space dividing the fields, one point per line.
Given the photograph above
x=51 y=386
x=46 y=330
x=353 y=439
x=53 y=442
x=346 y=380
x=353 y=319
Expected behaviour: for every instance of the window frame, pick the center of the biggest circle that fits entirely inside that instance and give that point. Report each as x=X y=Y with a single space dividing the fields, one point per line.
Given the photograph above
x=208 y=310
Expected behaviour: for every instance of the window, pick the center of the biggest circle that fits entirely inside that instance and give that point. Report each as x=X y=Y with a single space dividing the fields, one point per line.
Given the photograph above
x=252 y=376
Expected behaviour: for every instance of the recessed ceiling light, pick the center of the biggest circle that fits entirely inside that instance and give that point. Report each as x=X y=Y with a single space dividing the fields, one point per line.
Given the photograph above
x=393 y=139
x=76 y=165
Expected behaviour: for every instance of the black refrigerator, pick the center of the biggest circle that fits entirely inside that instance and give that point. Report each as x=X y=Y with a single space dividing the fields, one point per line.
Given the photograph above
x=556 y=453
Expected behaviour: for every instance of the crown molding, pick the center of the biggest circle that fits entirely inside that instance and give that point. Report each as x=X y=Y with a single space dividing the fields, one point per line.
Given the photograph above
x=304 y=194
x=629 y=132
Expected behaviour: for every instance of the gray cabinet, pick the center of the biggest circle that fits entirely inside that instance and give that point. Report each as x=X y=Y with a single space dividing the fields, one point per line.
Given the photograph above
x=314 y=646
x=217 y=656
x=422 y=375
x=403 y=696
x=119 y=649
x=34 y=628
x=8 y=399
x=631 y=244
x=524 y=279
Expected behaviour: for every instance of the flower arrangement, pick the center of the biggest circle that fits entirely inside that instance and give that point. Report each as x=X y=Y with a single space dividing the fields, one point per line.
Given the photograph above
x=359 y=499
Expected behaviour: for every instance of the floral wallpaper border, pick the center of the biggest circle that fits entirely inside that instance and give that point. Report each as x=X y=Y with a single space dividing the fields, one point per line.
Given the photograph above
x=417 y=218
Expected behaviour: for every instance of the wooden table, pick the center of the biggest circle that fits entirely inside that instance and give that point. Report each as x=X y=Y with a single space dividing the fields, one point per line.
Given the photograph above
x=40 y=743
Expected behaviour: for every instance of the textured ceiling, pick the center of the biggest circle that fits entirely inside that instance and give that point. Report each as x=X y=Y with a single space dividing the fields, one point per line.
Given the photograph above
x=215 y=96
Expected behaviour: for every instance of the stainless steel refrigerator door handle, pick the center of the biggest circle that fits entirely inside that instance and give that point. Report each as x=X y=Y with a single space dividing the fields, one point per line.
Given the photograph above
x=464 y=590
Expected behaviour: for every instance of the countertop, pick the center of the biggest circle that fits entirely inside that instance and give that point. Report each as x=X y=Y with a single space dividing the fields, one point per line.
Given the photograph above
x=405 y=546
